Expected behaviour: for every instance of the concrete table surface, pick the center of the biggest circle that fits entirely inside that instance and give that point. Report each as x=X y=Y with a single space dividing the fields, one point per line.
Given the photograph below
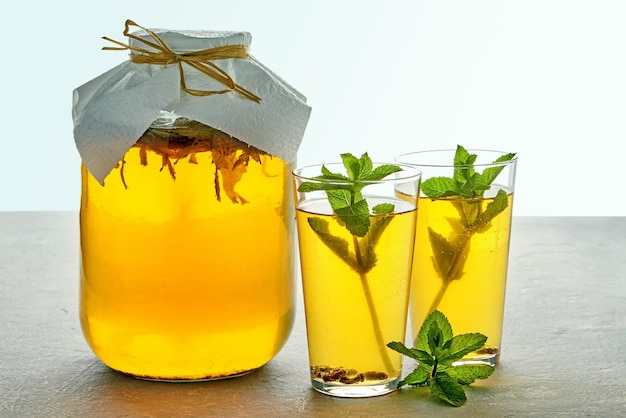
x=563 y=354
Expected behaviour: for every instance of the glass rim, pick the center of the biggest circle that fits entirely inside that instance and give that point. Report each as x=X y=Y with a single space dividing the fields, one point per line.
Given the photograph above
x=452 y=151
x=408 y=172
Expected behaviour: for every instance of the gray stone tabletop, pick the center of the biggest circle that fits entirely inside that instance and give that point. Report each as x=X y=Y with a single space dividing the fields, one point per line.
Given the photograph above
x=563 y=352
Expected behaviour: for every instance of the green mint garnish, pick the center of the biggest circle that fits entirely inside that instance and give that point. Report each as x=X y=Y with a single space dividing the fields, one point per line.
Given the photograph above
x=469 y=186
x=352 y=210
x=345 y=196
x=344 y=192
x=437 y=349
x=466 y=182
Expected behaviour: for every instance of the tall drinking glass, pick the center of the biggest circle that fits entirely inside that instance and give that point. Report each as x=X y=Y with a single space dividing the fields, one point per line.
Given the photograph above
x=356 y=286
x=462 y=242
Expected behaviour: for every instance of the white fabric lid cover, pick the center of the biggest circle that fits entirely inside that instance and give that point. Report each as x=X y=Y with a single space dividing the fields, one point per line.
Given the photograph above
x=112 y=111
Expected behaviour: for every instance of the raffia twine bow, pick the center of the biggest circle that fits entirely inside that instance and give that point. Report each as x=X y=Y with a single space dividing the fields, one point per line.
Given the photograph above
x=199 y=60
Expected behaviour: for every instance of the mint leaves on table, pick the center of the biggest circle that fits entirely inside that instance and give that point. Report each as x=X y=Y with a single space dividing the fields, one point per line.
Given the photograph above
x=437 y=349
x=469 y=186
x=352 y=211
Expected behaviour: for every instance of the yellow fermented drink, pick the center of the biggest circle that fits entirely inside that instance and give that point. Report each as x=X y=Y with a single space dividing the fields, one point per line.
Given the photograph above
x=461 y=272
x=187 y=258
x=351 y=312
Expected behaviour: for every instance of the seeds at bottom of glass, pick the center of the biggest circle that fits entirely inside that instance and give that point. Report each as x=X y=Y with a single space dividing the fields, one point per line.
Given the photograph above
x=345 y=376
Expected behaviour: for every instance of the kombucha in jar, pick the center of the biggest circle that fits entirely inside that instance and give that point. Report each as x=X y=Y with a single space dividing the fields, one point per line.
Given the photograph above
x=187 y=256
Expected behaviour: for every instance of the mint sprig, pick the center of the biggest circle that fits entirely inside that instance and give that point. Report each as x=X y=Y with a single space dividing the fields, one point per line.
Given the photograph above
x=466 y=182
x=344 y=192
x=437 y=350
x=450 y=254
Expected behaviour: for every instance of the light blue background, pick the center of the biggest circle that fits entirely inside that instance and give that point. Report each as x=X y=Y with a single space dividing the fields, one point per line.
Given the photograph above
x=545 y=78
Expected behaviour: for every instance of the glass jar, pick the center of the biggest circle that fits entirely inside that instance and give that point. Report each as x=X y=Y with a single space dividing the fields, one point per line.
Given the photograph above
x=187 y=256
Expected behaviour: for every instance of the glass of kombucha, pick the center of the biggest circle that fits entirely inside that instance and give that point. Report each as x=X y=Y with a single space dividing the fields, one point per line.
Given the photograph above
x=356 y=287
x=462 y=245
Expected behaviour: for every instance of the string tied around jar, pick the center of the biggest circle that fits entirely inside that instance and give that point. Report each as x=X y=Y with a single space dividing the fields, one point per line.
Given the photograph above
x=201 y=60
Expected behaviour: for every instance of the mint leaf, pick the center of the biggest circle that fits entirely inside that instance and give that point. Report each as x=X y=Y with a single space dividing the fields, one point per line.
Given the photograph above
x=355 y=217
x=463 y=160
x=313 y=187
x=447 y=388
x=413 y=353
x=435 y=319
x=420 y=355
x=435 y=338
x=381 y=172
x=461 y=345
x=368 y=244
x=339 y=198
x=473 y=187
x=491 y=173
x=402 y=349
x=383 y=209
x=442 y=249
x=495 y=207
x=352 y=165
x=462 y=157
x=466 y=374
x=337 y=245
x=468 y=209
x=365 y=166
x=419 y=376
x=329 y=175
x=438 y=187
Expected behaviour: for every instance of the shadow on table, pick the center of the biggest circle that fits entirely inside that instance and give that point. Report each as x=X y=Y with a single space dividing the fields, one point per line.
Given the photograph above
x=99 y=391
x=272 y=391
